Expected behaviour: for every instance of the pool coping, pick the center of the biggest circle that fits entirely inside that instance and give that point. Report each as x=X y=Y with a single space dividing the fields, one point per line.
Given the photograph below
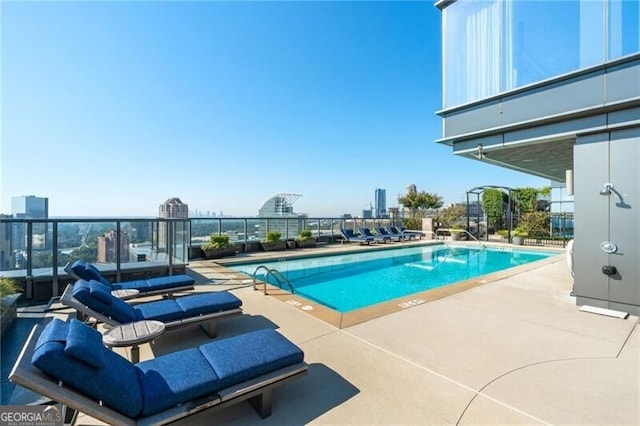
x=351 y=318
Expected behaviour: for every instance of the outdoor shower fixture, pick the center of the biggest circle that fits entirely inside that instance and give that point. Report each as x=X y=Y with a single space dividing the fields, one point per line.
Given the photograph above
x=607 y=190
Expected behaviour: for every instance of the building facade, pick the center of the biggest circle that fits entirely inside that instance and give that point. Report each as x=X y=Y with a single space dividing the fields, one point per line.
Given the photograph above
x=278 y=209
x=552 y=89
x=109 y=246
x=380 y=203
x=172 y=208
x=29 y=207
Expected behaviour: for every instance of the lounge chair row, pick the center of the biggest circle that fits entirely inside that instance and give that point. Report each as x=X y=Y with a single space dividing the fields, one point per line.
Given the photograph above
x=68 y=362
x=382 y=235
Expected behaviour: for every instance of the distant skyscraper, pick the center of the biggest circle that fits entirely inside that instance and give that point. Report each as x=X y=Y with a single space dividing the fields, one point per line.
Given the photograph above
x=6 y=254
x=173 y=208
x=107 y=247
x=411 y=189
x=367 y=214
x=380 y=203
x=29 y=207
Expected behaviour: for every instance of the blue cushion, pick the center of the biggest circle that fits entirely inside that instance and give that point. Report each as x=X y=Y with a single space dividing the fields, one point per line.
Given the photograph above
x=93 y=273
x=206 y=303
x=55 y=331
x=115 y=384
x=175 y=378
x=77 y=269
x=160 y=310
x=170 y=281
x=243 y=357
x=85 y=343
x=118 y=309
x=140 y=285
x=100 y=292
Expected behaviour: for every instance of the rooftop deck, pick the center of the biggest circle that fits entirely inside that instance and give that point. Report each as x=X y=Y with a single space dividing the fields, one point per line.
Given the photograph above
x=511 y=350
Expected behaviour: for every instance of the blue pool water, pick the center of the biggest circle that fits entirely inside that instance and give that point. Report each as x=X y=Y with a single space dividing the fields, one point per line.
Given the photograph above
x=353 y=281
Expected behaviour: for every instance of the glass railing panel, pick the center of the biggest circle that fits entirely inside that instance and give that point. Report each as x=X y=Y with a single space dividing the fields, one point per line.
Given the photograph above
x=180 y=248
x=234 y=228
x=203 y=228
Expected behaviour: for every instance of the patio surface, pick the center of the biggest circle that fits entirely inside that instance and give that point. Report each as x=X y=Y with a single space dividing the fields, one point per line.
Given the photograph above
x=515 y=350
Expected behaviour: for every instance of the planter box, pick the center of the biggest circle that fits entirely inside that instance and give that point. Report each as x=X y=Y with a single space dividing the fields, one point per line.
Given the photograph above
x=269 y=246
x=218 y=253
x=306 y=243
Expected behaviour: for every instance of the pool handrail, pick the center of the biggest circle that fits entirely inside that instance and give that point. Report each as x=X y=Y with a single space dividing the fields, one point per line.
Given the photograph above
x=460 y=230
x=275 y=273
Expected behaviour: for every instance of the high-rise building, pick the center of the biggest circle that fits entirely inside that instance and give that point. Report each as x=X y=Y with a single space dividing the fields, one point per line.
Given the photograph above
x=6 y=254
x=380 y=203
x=411 y=189
x=29 y=207
x=108 y=247
x=279 y=208
x=550 y=88
x=173 y=208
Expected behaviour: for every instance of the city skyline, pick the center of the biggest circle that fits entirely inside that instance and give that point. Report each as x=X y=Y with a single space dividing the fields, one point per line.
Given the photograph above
x=225 y=104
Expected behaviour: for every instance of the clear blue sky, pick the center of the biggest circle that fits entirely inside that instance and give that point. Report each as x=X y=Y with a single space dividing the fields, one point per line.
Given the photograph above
x=110 y=108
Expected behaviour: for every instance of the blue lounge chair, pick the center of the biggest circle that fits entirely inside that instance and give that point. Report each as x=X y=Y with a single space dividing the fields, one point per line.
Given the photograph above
x=68 y=363
x=161 y=285
x=351 y=237
x=377 y=238
x=94 y=300
x=408 y=234
x=382 y=231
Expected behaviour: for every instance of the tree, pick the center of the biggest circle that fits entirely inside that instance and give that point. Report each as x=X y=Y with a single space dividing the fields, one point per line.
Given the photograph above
x=528 y=197
x=454 y=215
x=418 y=202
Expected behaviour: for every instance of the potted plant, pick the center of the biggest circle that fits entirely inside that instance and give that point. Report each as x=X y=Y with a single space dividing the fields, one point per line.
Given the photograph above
x=519 y=234
x=9 y=294
x=219 y=246
x=455 y=233
x=305 y=239
x=273 y=241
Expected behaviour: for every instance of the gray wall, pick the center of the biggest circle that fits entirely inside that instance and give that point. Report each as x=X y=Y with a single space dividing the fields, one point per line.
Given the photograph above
x=600 y=158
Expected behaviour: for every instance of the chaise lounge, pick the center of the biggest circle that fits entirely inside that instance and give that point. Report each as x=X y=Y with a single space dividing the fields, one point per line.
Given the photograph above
x=377 y=238
x=82 y=270
x=382 y=231
x=351 y=237
x=94 y=299
x=68 y=363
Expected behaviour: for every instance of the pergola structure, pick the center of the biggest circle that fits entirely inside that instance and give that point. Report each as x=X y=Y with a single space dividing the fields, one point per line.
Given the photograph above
x=478 y=191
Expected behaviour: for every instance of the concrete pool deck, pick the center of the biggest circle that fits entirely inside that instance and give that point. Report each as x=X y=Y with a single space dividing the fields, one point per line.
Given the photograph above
x=515 y=350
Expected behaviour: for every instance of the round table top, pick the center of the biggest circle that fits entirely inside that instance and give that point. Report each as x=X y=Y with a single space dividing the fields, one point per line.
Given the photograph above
x=133 y=333
x=125 y=293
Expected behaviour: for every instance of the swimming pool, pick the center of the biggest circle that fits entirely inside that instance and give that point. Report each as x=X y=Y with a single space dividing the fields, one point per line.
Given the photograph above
x=352 y=281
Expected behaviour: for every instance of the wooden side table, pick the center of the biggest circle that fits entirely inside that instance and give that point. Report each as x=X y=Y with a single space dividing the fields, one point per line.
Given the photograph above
x=133 y=334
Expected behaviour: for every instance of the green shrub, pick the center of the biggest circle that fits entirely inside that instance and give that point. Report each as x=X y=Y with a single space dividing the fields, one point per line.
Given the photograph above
x=536 y=224
x=412 y=223
x=305 y=235
x=273 y=237
x=217 y=242
x=7 y=288
x=520 y=232
x=504 y=233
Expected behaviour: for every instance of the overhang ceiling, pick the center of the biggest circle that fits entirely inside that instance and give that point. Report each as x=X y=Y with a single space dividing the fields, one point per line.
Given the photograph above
x=548 y=160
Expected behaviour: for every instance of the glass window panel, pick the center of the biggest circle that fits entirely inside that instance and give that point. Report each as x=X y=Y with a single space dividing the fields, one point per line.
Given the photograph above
x=624 y=32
